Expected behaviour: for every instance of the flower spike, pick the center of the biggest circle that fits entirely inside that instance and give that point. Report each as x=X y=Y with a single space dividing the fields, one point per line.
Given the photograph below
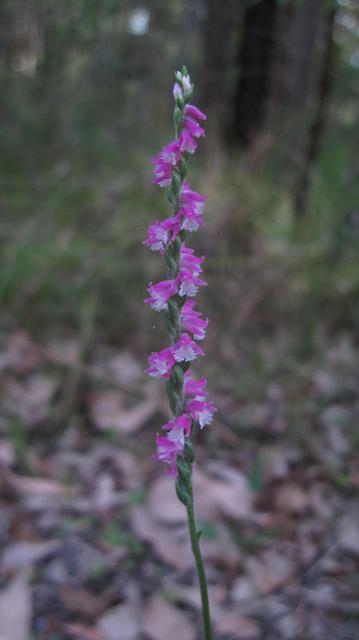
x=187 y=397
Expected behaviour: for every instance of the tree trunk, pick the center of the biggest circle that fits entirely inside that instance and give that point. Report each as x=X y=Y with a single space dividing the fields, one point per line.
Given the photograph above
x=319 y=120
x=255 y=64
x=218 y=35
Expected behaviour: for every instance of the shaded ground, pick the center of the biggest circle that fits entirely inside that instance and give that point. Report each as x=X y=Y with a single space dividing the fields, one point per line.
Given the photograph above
x=93 y=541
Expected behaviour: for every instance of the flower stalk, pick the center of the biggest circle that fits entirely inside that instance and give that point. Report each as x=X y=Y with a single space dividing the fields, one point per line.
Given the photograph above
x=187 y=396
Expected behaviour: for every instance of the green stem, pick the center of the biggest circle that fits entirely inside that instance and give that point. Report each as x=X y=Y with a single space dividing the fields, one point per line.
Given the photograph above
x=194 y=534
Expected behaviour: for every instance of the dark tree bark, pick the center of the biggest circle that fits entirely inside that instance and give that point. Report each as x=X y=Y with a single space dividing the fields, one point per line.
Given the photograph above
x=255 y=65
x=303 y=34
x=218 y=35
x=319 y=119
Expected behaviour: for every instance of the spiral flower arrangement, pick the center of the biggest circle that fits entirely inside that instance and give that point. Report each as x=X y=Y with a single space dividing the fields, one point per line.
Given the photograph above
x=189 y=403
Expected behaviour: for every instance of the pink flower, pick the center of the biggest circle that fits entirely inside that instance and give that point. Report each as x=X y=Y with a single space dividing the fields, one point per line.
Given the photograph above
x=186 y=208
x=194 y=112
x=170 y=445
x=186 y=349
x=165 y=161
x=161 y=363
x=187 y=85
x=193 y=128
x=194 y=387
x=186 y=142
x=159 y=294
x=191 y=208
x=177 y=91
x=167 y=451
x=190 y=262
x=191 y=220
x=189 y=283
x=201 y=411
x=160 y=233
x=191 y=321
x=192 y=199
x=182 y=423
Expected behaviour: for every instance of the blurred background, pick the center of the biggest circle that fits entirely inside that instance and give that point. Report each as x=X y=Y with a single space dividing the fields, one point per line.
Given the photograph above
x=93 y=540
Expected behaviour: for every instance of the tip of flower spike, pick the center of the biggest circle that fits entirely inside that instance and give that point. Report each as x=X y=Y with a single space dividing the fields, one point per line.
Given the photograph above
x=184 y=81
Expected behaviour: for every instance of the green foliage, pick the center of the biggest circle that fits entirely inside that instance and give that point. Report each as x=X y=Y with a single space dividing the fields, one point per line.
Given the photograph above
x=117 y=537
x=137 y=496
x=207 y=529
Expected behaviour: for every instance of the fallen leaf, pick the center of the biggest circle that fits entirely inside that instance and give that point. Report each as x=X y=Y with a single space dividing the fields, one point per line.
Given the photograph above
x=21 y=354
x=191 y=596
x=26 y=486
x=81 y=558
x=66 y=352
x=171 y=545
x=122 y=622
x=292 y=499
x=15 y=609
x=348 y=533
x=230 y=497
x=163 y=502
x=162 y=621
x=30 y=399
x=20 y=555
x=274 y=463
x=82 y=632
x=242 y=590
x=108 y=412
x=104 y=495
x=7 y=453
x=269 y=570
x=81 y=601
x=222 y=550
x=229 y=623
x=124 y=368
x=224 y=620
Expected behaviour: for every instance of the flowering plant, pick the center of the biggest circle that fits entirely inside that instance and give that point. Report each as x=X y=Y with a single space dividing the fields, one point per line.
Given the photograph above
x=187 y=396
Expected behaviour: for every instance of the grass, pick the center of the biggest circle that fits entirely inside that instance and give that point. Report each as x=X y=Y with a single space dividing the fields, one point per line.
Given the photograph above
x=76 y=208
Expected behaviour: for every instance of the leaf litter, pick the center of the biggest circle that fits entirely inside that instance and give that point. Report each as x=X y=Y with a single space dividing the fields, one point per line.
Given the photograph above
x=95 y=544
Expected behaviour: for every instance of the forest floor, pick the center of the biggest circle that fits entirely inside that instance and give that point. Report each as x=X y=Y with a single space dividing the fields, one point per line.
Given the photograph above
x=94 y=543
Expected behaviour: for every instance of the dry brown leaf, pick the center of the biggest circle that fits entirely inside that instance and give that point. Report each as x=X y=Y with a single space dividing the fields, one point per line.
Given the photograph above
x=26 y=486
x=191 y=596
x=20 y=555
x=15 y=609
x=82 y=632
x=230 y=497
x=129 y=469
x=124 y=368
x=163 y=502
x=80 y=601
x=274 y=463
x=104 y=496
x=66 y=352
x=292 y=499
x=229 y=623
x=134 y=419
x=7 y=453
x=122 y=622
x=225 y=621
x=171 y=545
x=21 y=354
x=30 y=399
x=348 y=533
x=242 y=590
x=163 y=621
x=269 y=570
x=221 y=551
x=108 y=412
x=322 y=500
